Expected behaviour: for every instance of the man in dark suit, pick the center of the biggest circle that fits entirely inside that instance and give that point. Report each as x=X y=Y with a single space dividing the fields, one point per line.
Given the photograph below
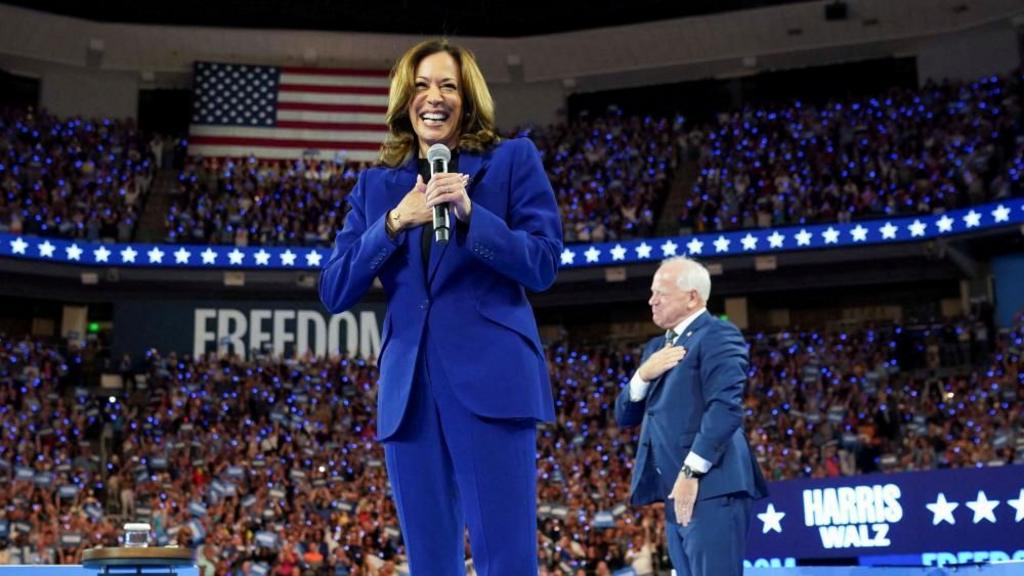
x=693 y=455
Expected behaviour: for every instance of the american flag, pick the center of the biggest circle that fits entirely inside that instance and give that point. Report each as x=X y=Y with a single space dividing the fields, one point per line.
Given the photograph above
x=285 y=113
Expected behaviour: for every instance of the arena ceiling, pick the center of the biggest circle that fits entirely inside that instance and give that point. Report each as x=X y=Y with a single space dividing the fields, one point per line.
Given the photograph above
x=500 y=18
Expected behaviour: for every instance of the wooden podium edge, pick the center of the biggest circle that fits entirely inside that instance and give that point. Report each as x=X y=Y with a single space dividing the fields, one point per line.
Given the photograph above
x=139 y=556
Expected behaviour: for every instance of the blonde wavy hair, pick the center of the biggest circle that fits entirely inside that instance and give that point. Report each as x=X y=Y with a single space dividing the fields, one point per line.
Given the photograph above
x=476 y=127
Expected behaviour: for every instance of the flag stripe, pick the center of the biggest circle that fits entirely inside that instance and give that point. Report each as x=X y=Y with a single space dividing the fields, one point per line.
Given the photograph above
x=285 y=134
x=319 y=107
x=322 y=89
x=335 y=71
x=285 y=142
x=342 y=117
x=307 y=125
x=272 y=153
x=364 y=99
x=333 y=80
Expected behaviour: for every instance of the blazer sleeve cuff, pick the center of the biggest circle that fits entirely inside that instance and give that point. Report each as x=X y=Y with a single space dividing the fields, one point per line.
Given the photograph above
x=637 y=388
x=383 y=244
x=694 y=461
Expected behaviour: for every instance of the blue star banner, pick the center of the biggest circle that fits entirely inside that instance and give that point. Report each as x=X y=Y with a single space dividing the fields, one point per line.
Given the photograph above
x=983 y=217
x=932 y=518
x=161 y=255
x=811 y=237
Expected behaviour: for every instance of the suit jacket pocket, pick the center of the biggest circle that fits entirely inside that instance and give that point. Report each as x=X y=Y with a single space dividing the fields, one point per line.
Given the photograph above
x=507 y=307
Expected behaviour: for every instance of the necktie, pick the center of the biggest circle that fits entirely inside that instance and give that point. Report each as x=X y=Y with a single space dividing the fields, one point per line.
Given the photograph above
x=670 y=338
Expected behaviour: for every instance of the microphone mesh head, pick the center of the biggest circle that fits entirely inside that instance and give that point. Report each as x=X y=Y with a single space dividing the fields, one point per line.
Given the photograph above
x=439 y=152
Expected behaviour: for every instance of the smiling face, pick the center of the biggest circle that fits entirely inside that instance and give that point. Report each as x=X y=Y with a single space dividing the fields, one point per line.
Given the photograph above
x=669 y=303
x=436 y=106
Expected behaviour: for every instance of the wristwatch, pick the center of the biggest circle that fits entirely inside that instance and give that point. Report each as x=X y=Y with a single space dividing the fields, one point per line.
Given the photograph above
x=688 y=472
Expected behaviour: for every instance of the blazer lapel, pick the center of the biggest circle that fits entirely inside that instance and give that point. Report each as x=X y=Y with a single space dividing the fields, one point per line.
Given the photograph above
x=473 y=165
x=437 y=251
x=414 y=245
x=694 y=327
x=470 y=163
x=400 y=180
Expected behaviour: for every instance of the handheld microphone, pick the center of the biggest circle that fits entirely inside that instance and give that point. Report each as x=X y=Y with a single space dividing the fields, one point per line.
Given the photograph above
x=438 y=156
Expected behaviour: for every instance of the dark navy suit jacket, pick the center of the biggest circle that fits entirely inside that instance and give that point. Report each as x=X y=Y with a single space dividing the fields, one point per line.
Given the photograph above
x=697 y=405
x=471 y=298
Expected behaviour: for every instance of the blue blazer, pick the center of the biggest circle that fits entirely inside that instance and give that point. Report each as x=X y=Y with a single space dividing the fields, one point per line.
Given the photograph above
x=697 y=405
x=471 y=299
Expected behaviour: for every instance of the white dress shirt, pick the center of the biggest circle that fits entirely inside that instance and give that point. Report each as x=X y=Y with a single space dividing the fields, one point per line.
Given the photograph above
x=638 y=390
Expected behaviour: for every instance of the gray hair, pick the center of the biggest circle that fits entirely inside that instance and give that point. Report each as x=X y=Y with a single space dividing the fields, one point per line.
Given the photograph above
x=693 y=276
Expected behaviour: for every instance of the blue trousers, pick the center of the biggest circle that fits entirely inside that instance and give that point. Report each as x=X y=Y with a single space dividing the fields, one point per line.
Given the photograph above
x=715 y=540
x=451 y=469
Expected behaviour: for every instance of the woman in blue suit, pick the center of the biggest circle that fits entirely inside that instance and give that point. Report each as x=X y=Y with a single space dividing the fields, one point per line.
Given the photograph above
x=463 y=379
